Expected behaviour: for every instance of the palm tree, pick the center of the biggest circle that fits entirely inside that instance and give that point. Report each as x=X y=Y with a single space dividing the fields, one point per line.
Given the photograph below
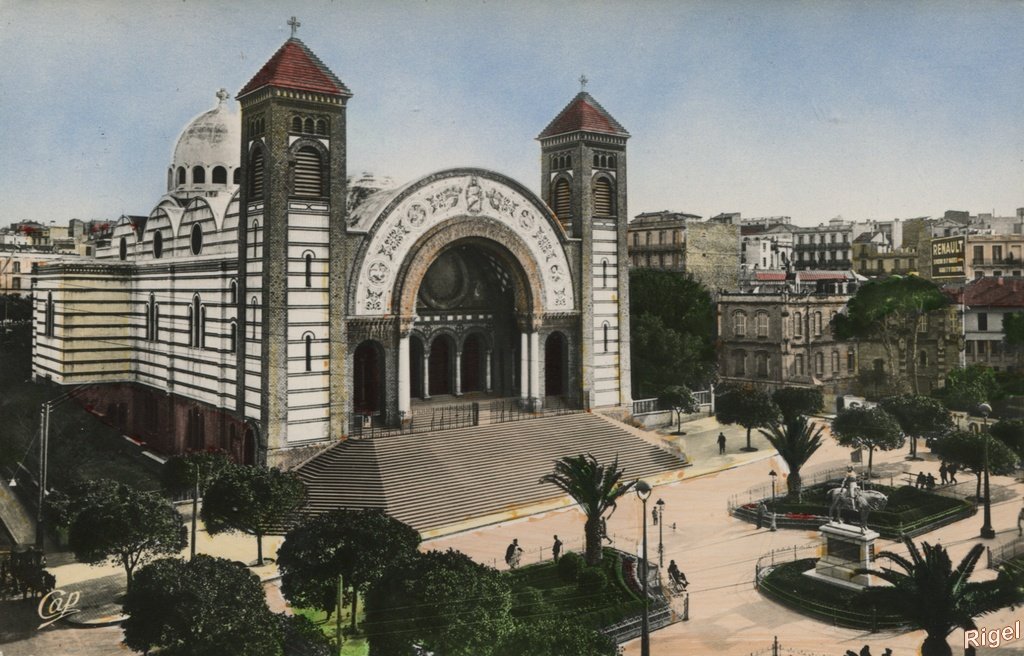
x=933 y=596
x=595 y=487
x=796 y=441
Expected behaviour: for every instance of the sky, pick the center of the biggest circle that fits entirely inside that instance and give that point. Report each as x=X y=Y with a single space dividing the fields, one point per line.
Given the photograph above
x=865 y=110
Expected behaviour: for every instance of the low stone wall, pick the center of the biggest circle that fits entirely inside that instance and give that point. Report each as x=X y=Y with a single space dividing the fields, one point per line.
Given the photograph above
x=663 y=418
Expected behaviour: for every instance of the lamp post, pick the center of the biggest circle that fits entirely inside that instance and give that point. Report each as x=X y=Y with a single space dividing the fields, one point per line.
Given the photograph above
x=774 y=476
x=643 y=490
x=987 y=531
x=660 y=503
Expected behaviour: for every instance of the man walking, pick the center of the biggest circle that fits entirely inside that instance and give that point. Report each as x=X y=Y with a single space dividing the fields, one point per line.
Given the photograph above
x=721 y=444
x=943 y=473
x=513 y=553
x=556 y=549
x=1020 y=522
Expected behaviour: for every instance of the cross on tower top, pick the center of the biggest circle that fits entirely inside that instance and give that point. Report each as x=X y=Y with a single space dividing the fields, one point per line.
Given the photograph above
x=583 y=82
x=223 y=95
x=294 y=24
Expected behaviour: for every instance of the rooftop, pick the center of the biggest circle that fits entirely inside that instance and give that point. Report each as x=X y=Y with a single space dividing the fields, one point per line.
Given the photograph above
x=294 y=66
x=583 y=113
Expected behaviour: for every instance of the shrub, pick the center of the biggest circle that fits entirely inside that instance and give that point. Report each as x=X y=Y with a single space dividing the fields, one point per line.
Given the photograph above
x=569 y=566
x=528 y=602
x=593 y=581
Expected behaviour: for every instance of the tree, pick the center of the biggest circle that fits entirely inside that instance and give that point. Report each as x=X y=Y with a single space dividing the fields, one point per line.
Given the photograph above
x=193 y=473
x=554 y=637
x=889 y=310
x=681 y=400
x=796 y=401
x=1013 y=334
x=125 y=527
x=867 y=428
x=968 y=450
x=442 y=601
x=672 y=328
x=1011 y=433
x=967 y=388
x=595 y=487
x=796 y=441
x=747 y=406
x=201 y=607
x=917 y=416
x=933 y=596
x=252 y=500
x=358 y=545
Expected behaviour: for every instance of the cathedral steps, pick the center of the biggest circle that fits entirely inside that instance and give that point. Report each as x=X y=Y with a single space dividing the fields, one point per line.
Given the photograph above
x=448 y=478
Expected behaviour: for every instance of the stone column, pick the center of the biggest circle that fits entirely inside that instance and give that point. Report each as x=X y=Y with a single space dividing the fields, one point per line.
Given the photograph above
x=458 y=372
x=426 y=374
x=524 y=367
x=404 y=375
x=535 y=393
x=488 y=383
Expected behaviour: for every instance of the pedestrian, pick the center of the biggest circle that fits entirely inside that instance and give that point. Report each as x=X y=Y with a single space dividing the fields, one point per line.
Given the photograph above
x=721 y=444
x=952 y=469
x=921 y=481
x=513 y=553
x=930 y=481
x=654 y=516
x=887 y=652
x=943 y=473
x=676 y=576
x=1020 y=520
x=762 y=511
x=865 y=651
x=604 y=530
x=556 y=549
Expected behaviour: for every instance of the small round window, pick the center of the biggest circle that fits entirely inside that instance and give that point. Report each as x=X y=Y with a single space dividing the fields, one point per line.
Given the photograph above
x=197 y=239
x=158 y=245
x=123 y=249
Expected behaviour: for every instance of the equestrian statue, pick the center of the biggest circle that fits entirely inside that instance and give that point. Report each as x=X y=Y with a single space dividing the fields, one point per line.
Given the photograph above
x=850 y=496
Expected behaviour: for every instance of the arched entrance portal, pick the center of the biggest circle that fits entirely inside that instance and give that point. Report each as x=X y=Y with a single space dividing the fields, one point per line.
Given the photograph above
x=472 y=364
x=368 y=379
x=556 y=365
x=442 y=351
x=416 y=366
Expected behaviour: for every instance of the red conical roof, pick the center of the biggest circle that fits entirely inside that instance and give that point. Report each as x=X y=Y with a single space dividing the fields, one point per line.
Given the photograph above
x=294 y=66
x=586 y=114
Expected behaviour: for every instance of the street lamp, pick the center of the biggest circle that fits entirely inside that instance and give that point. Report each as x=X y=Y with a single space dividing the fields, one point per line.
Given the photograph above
x=643 y=490
x=660 y=503
x=987 y=531
x=774 y=476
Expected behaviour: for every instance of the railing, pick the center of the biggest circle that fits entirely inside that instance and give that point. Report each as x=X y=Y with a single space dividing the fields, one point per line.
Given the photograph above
x=506 y=410
x=646 y=406
x=1004 y=553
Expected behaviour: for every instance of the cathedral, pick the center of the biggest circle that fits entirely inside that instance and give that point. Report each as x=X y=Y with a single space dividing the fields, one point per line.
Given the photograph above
x=269 y=307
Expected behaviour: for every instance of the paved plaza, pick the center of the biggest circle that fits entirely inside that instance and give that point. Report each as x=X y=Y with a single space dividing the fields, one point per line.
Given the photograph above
x=717 y=553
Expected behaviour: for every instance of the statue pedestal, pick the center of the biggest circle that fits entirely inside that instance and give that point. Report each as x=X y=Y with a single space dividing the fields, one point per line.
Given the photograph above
x=845 y=550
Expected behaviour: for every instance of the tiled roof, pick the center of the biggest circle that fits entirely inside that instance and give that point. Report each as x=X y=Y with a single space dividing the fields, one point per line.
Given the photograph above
x=807 y=276
x=294 y=66
x=994 y=292
x=769 y=275
x=586 y=114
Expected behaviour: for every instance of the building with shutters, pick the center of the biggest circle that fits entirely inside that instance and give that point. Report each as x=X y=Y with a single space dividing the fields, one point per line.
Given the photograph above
x=265 y=307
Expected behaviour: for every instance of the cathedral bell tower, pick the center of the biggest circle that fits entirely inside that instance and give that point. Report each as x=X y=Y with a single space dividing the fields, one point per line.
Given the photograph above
x=583 y=180
x=291 y=239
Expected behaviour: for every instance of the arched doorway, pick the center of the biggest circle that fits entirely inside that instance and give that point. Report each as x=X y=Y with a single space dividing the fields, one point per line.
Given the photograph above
x=368 y=379
x=472 y=364
x=416 y=366
x=249 y=443
x=556 y=365
x=442 y=350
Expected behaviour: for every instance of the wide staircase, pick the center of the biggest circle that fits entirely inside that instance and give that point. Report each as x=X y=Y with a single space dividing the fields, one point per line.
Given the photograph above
x=449 y=478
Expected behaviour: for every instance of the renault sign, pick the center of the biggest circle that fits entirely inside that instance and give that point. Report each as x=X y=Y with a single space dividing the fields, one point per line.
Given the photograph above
x=948 y=257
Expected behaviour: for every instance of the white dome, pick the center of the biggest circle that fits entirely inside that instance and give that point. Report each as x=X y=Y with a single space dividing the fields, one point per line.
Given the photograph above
x=210 y=141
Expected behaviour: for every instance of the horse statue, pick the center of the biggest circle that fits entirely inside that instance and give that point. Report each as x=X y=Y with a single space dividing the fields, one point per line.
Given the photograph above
x=854 y=498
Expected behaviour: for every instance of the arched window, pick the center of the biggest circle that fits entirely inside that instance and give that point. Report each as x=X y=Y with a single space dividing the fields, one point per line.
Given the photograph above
x=151 y=318
x=835 y=362
x=597 y=160
x=148 y=316
x=256 y=165
x=308 y=172
x=309 y=269
x=604 y=329
x=202 y=327
x=604 y=198
x=158 y=244
x=181 y=175
x=191 y=323
x=817 y=323
x=762 y=364
x=49 y=315
x=561 y=200
x=604 y=273
x=197 y=317
x=309 y=352
x=233 y=292
x=156 y=322
x=321 y=126
x=611 y=161
x=236 y=177
x=762 y=324
x=252 y=315
x=233 y=337
x=739 y=363
x=309 y=128
x=254 y=238
x=798 y=324
x=220 y=175
x=196 y=239
x=296 y=124
x=739 y=324
x=198 y=175
x=819 y=364
x=122 y=249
